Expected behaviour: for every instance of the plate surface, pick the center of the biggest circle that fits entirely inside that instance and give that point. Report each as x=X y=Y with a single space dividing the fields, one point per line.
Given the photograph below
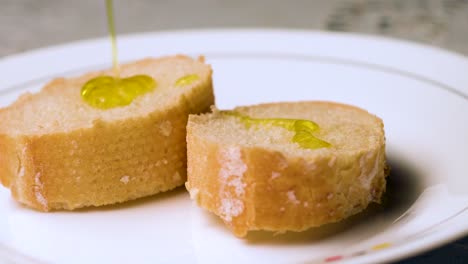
x=420 y=92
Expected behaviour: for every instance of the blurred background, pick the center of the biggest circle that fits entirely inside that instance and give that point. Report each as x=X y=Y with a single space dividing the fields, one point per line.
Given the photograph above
x=29 y=24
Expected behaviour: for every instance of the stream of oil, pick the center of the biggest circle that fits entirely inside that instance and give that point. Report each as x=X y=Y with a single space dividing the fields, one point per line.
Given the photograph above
x=106 y=91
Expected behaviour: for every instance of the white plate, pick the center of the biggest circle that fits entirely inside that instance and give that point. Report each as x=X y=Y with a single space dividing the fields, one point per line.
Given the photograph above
x=420 y=92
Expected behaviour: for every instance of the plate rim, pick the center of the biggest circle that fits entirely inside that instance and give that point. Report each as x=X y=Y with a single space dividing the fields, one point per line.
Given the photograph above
x=368 y=39
x=231 y=30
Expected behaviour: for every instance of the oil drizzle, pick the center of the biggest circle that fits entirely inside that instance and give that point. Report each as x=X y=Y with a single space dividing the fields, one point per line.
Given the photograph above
x=106 y=92
x=303 y=129
x=111 y=26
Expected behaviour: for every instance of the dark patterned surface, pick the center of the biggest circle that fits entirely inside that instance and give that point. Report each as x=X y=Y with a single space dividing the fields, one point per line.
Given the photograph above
x=439 y=23
x=28 y=24
x=454 y=253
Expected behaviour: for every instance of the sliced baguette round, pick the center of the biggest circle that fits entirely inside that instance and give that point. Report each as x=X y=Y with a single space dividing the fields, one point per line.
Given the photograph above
x=256 y=178
x=58 y=152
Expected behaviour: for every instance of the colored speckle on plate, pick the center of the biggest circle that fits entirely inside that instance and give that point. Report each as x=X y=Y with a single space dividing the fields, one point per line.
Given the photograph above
x=381 y=246
x=333 y=258
x=359 y=253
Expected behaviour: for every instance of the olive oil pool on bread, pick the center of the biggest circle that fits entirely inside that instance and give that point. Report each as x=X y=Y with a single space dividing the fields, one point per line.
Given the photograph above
x=303 y=129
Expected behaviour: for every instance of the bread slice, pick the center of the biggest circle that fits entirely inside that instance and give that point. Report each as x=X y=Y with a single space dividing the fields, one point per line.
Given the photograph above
x=57 y=152
x=255 y=178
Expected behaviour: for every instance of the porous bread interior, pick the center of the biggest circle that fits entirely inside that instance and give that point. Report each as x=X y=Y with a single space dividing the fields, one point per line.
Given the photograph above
x=348 y=129
x=258 y=179
x=60 y=108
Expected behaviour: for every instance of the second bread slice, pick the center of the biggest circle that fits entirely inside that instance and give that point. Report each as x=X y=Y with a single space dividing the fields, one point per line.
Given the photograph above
x=255 y=177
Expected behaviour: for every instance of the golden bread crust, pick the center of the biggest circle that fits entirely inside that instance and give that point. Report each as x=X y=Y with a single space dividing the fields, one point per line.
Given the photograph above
x=110 y=162
x=253 y=188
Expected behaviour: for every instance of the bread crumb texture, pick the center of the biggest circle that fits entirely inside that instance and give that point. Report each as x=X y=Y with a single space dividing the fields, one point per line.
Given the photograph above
x=57 y=152
x=256 y=178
